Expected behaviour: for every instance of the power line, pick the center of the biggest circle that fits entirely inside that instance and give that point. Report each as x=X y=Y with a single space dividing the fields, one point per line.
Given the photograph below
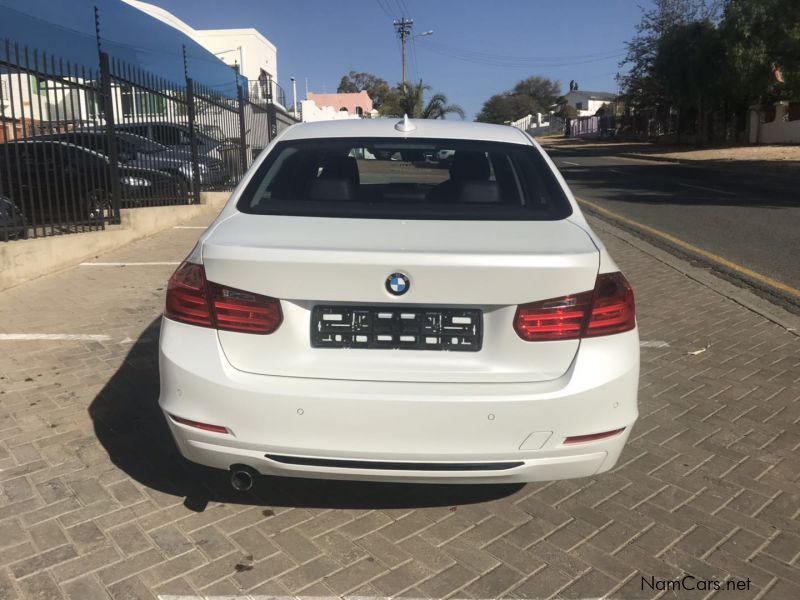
x=383 y=7
x=497 y=60
x=511 y=60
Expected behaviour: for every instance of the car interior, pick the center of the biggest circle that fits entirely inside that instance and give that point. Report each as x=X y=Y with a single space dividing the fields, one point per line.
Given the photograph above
x=408 y=177
x=387 y=178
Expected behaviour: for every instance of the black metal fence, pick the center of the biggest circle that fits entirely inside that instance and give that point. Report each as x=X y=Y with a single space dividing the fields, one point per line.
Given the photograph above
x=79 y=144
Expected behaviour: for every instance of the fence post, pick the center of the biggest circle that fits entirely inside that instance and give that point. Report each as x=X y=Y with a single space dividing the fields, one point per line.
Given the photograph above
x=108 y=113
x=193 y=141
x=242 y=130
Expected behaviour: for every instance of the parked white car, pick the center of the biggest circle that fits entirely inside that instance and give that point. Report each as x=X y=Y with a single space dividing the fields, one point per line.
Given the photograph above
x=367 y=318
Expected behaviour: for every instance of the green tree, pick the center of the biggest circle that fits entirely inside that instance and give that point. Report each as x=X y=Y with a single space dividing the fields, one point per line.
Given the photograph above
x=543 y=91
x=762 y=40
x=377 y=89
x=689 y=66
x=505 y=107
x=567 y=112
x=639 y=86
x=528 y=96
x=409 y=99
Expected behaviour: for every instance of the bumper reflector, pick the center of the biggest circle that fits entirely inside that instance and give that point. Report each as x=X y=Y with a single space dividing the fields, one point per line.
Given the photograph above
x=198 y=425
x=592 y=437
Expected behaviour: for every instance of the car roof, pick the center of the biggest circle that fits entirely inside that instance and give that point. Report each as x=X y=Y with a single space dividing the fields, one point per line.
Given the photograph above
x=125 y=135
x=29 y=141
x=423 y=128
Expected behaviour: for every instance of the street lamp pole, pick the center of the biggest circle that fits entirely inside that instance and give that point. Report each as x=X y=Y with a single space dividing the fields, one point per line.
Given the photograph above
x=294 y=98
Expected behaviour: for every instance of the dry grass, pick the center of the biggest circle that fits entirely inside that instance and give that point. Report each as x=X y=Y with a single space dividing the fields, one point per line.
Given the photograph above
x=747 y=153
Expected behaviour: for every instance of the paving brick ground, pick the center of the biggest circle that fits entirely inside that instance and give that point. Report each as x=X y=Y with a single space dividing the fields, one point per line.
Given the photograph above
x=95 y=502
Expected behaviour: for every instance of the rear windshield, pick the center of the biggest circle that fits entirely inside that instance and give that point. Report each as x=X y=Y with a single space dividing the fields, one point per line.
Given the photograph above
x=405 y=179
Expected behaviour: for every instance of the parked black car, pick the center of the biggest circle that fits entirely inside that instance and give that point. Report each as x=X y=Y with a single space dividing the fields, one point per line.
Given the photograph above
x=56 y=182
x=13 y=224
x=137 y=151
x=211 y=141
x=173 y=136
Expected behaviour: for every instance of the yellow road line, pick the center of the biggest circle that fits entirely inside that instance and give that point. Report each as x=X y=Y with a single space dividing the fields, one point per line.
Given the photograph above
x=737 y=268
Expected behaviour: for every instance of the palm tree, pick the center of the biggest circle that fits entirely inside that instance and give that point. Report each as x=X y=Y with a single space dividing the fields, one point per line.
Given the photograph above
x=409 y=99
x=437 y=107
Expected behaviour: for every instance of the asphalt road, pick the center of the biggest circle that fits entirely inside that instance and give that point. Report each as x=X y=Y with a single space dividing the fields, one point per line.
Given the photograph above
x=751 y=220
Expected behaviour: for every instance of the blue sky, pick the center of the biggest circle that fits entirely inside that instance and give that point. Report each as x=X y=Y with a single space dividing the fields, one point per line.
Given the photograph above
x=478 y=48
x=324 y=39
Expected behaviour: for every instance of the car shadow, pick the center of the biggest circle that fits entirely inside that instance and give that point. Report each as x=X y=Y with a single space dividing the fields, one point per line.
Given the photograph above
x=130 y=426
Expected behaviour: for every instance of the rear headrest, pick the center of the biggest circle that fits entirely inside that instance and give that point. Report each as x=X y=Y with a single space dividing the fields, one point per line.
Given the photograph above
x=478 y=192
x=333 y=189
x=340 y=167
x=469 y=165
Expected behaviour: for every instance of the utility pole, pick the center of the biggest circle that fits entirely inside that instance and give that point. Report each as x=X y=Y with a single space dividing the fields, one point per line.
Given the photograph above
x=403 y=27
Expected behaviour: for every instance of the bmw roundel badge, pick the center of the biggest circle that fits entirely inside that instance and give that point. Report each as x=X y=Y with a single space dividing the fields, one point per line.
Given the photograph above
x=397 y=284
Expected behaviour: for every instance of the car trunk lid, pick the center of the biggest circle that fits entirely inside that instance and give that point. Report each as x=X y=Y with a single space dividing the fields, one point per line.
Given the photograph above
x=491 y=266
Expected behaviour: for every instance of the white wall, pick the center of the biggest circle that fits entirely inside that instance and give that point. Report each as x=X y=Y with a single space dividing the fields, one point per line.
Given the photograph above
x=248 y=48
x=257 y=52
x=778 y=131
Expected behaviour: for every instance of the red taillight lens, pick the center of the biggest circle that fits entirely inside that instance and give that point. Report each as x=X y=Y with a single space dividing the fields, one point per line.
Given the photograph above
x=194 y=300
x=236 y=310
x=613 y=307
x=608 y=309
x=554 y=319
x=186 y=296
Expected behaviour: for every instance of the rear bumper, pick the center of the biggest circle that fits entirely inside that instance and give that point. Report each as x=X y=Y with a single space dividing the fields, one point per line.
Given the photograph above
x=343 y=429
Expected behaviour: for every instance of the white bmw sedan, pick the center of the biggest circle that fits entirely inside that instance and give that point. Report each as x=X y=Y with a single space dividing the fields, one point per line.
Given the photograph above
x=359 y=310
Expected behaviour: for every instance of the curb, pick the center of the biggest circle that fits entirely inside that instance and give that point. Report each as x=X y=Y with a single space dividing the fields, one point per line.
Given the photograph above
x=709 y=276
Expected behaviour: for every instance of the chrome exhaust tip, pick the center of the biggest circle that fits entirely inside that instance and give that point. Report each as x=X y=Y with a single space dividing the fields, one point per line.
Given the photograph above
x=242 y=477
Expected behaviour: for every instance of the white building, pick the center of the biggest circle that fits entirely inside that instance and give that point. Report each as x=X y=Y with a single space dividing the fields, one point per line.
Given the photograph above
x=31 y=105
x=587 y=103
x=776 y=124
x=329 y=107
x=246 y=50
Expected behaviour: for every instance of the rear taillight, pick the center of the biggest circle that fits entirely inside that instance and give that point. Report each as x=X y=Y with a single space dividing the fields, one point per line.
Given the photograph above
x=187 y=299
x=194 y=300
x=613 y=308
x=554 y=319
x=608 y=309
x=236 y=310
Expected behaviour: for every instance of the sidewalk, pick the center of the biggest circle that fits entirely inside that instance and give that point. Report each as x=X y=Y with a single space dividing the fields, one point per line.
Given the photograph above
x=783 y=160
x=95 y=502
